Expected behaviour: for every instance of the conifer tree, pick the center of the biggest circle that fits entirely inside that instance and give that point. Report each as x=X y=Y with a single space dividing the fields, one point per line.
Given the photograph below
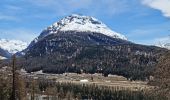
x=13 y=95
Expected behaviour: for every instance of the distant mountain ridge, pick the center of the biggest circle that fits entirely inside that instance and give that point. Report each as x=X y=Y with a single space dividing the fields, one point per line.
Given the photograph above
x=10 y=47
x=165 y=43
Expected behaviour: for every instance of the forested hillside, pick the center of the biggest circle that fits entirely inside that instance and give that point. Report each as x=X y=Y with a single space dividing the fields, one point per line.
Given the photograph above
x=90 y=53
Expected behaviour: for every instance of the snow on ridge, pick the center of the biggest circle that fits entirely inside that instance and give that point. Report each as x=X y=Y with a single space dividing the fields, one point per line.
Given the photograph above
x=163 y=42
x=162 y=45
x=82 y=24
x=12 y=46
x=1 y=58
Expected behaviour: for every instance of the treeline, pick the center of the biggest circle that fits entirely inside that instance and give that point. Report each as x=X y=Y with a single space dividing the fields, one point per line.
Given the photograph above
x=96 y=92
x=80 y=91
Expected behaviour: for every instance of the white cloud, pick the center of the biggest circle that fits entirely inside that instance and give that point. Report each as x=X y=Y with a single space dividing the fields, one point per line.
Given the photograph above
x=162 y=5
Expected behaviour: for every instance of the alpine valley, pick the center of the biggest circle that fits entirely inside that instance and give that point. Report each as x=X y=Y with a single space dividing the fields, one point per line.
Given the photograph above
x=79 y=44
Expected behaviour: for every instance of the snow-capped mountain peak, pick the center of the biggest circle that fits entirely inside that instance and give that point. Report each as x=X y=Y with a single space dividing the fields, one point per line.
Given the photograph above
x=81 y=23
x=12 y=46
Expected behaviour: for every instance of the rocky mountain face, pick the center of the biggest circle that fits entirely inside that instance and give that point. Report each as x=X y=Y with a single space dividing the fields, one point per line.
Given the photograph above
x=4 y=54
x=84 y=44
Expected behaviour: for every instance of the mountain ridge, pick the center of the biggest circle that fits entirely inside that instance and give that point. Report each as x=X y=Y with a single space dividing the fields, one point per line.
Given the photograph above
x=89 y=52
x=12 y=46
x=165 y=43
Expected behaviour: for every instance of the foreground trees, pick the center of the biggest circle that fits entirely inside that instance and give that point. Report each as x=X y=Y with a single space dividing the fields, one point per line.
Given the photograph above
x=6 y=89
x=12 y=85
x=162 y=75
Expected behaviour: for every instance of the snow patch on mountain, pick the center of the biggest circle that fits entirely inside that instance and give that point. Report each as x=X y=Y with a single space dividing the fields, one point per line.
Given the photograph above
x=12 y=46
x=1 y=58
x=163 y=42
x=81 y=24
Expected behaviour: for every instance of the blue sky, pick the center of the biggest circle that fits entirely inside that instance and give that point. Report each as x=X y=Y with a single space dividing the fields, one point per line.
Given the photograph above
x=141 y=21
